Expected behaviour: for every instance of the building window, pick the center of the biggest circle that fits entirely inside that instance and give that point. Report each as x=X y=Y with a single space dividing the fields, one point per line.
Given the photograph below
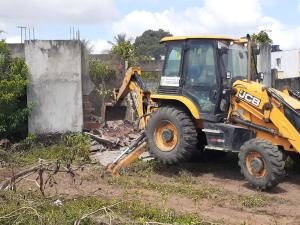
x=278 y=63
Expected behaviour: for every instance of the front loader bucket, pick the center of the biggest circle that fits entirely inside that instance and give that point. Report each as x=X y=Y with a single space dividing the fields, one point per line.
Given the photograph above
x=114 y=112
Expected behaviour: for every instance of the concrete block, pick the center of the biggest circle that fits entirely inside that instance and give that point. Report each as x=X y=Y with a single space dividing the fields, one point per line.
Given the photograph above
x=56 y=86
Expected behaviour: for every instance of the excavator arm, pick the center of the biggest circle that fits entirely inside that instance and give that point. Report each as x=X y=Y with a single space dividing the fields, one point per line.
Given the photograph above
x=132 y=82
x=129 y=155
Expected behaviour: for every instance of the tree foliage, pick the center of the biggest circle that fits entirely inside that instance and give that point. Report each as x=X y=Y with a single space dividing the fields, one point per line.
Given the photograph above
x=100 y=73
x=13 y=105
x=124 y=49
x=118 y=39
x=262 y=38
x=148 y=43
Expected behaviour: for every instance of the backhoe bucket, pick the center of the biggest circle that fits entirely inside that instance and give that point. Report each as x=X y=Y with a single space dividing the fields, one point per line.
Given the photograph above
x=114 y=112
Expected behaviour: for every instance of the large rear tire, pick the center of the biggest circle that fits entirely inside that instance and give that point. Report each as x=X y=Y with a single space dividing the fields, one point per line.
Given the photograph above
x=262 y=163
x=172 y=135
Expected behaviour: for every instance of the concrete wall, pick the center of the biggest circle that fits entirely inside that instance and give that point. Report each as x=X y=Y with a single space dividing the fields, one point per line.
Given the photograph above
x=87 y=84
x=264 y=64
x=116 y=81
x=155 y=65
x=288 y=82
x=288 y=63
x=56 y=86
x=17 y=50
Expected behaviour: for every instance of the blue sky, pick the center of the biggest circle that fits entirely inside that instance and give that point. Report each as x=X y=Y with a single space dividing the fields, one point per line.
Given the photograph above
x=99 y=20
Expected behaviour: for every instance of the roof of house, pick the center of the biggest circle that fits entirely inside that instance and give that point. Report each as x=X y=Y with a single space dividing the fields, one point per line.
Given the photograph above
x=218 y=37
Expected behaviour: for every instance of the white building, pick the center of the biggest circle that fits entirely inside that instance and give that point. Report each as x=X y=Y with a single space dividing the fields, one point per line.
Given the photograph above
x=286 y=62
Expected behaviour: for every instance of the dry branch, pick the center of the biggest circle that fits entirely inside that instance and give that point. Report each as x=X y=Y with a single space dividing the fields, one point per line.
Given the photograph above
x=106 y=209
x=7 y=184
x=52 y=168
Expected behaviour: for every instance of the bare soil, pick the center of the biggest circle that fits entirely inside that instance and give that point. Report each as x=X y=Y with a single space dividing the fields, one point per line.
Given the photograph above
x=236 y=203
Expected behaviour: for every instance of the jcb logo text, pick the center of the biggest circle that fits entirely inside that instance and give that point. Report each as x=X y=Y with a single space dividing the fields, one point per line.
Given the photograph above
x=249 y=98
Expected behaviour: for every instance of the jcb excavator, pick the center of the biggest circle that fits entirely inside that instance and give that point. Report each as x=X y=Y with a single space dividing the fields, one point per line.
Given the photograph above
x=208 y=100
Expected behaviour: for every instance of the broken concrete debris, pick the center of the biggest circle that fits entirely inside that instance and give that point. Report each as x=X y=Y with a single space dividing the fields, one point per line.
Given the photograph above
x=97 y=148
x=112 y=136
x=110 y=142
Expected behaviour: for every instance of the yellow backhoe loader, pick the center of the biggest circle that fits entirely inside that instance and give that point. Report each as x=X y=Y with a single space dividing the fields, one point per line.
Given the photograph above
x=208 y=100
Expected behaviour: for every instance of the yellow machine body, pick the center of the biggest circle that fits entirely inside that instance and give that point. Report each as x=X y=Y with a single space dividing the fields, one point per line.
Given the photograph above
x=268 y=113
x=286 y=136
x=252 y=118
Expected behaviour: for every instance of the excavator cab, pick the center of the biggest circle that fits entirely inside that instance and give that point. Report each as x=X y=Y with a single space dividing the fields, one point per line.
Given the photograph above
x=202 y=69
x=199 y=68
x=195 y=95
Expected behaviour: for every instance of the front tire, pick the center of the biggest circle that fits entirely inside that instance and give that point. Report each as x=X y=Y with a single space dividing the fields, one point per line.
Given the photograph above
x=262 y=163
x=172 y=135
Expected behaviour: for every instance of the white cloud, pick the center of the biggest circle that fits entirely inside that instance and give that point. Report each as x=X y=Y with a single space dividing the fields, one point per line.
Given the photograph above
x=99 y=46
x=3 y=27
x=215 y=16
x=230 y=17
x=13 y=39
x=57 y=11
x=288 y=38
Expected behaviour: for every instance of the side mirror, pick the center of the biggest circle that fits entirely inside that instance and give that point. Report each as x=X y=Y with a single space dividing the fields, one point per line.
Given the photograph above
x=260 y=76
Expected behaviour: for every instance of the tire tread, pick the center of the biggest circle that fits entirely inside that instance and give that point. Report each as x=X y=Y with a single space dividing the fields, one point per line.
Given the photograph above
x=189 y=134
x=272 y=154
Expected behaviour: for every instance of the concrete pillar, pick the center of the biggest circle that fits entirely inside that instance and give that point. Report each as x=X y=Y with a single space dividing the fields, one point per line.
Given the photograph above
x=87 y=84
x=264 y=64
x=56 y=86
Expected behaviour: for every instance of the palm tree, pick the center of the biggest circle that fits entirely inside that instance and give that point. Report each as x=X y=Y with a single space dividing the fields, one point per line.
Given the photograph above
x=118 y=39
x=124 y=49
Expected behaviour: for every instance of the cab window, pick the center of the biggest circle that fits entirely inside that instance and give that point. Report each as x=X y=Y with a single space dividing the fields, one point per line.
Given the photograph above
x=200 y=75
x=200 y=65
x=173 y=61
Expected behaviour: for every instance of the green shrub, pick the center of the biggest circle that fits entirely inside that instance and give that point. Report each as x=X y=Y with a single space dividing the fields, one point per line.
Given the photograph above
x=13 y=105
x=150 y=75
x=72 y=148
x=100 y=73
x=78 y=145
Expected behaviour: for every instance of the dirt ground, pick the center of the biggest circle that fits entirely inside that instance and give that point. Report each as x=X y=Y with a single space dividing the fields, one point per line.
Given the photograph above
x=226 y=198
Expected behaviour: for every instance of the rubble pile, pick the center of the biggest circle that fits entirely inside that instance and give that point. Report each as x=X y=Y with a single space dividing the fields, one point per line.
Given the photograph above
x=113 y=136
